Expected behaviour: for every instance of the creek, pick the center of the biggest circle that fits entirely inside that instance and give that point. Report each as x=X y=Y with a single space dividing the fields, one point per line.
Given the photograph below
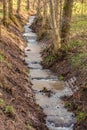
x=46 y=86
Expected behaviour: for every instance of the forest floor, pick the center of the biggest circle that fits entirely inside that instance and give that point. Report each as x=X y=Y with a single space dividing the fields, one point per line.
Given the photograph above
x=18 y=110
x=69 y=62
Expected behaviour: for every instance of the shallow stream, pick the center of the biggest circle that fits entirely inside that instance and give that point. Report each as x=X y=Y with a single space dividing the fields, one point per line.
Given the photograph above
x=48 y=89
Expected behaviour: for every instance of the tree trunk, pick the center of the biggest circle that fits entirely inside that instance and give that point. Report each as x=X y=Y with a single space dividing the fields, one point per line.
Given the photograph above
x=66 y=21
x=33 y=4
x=82 y=10
x=18 y=7
x=38 y=8
x=55 y=23
x=44 y=13
x=0 y=29
x=4 y=12
x=10 y=9
x=61 y=11
x=28 y=5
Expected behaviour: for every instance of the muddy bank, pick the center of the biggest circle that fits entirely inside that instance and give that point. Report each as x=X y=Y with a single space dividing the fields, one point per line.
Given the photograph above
x=18 y=110
x=66 y=67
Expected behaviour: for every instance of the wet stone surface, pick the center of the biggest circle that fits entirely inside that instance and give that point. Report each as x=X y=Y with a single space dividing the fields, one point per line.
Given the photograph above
x=48 y=89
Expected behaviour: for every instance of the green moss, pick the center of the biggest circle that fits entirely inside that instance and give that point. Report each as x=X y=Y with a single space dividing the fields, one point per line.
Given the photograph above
x=81 y=116
x=9 y=110
x=61 y=77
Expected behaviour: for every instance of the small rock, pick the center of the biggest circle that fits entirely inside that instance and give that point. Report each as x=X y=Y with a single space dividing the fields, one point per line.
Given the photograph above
x=28 y=49
x=47 y=92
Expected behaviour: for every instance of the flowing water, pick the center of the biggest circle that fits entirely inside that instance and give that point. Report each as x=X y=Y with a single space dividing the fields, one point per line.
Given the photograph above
x=48 y=89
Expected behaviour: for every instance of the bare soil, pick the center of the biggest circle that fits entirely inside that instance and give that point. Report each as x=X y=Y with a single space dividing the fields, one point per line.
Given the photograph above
x=15 y=85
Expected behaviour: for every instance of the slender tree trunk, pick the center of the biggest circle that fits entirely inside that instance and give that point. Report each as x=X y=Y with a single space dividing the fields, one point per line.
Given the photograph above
x=44 y=13
x=82 y=10
x=10 y=9
x=38 y=8
x=57 y=13
x=66 y=20
x=0 y=29
x=28 y=5
x=33 y=4
x=55 y=23
x=18 y=7
x=61 y=11
x=4 y=12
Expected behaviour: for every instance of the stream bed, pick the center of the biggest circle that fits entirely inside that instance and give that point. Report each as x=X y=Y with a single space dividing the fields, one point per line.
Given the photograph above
x=48 y=89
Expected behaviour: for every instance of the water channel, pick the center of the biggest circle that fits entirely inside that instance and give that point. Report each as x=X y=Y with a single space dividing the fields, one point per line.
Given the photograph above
x=48 y=89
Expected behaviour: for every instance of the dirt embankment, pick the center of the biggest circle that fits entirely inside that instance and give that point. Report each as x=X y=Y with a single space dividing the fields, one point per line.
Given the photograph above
x=18 y=110
x=67 y=64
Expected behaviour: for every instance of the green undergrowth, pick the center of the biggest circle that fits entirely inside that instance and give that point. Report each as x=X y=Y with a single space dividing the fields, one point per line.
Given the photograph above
x=75 y=45
x=79 y=59
x=81 y=115
x=78 y=53
x=49 y=60
x=60 y=77
x=75 y=51
x=10 y=111
x=78 y=106
x=74 y=56
x=78 y=24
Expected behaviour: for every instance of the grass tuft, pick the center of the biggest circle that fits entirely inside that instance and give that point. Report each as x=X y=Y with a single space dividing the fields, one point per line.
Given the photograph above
x=78 y=60
x=10 y=110
x=1 y=102
x=81 y=116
